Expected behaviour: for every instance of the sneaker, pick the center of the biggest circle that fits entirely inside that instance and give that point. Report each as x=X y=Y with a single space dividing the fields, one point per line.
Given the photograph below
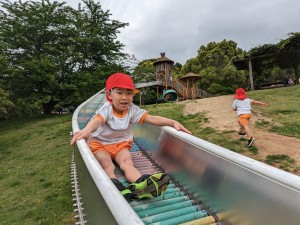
x=149 y=186
x=118 y=184
x=241 y=133
x=250 y=142
x=123 y=190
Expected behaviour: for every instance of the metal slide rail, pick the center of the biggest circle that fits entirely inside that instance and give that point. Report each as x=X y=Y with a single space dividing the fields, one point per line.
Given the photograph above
x=79 y=214
x=210 y=184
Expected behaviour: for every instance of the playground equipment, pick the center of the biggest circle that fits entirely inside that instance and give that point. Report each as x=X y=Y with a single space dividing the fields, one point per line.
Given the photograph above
x=210 y=184
x=184 y=87
x=168 y=96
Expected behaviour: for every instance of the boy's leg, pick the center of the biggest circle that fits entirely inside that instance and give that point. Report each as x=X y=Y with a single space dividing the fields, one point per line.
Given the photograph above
x=123 y=190
x=149 y=186
x=244 y=121
x=123 y=159
x=106 y=162
x=247 y=131
x=242 y=131
x=249 y=135
x=142 y=186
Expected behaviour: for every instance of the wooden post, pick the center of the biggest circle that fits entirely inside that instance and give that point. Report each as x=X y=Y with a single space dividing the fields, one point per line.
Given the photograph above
x=193 y=92
x=166 y=75
x=140 y=98
x=251 y=75
x=187 y=89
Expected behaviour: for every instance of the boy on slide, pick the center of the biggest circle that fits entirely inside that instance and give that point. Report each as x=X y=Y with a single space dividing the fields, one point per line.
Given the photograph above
x=109 y=134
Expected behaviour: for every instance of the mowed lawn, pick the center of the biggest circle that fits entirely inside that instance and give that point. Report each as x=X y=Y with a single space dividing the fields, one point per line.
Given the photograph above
x=35 y=164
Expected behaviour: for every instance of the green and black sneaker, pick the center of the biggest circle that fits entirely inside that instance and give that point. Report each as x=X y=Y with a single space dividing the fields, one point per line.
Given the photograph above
x=123 y=190
x=149 y=186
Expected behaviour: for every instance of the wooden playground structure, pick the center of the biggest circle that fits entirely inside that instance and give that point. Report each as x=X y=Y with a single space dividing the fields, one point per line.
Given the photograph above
x=184 y=86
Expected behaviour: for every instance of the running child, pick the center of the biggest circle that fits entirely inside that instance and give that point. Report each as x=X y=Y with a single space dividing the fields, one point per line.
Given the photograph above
x=242 y=105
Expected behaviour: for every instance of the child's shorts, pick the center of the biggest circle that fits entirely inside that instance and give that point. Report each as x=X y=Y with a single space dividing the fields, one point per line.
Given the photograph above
x=244 y=119
x=112 y=149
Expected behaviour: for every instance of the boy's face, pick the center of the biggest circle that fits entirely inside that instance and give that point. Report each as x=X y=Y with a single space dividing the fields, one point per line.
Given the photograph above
x=121 y=99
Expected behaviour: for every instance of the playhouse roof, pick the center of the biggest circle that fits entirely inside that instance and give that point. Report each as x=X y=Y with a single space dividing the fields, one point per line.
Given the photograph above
x=163 y=58
x=191 y=77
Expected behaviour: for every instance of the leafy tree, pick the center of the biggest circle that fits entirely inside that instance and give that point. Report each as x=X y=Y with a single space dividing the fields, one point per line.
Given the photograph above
x=144 y=71
x=5 y=103
x=176 y=72
x=30 y=31
x=214 y=65
x=263 y=60
x=58 y=54
x=191 y=65
x=99 y=53
x=289 y=56
x=272 y=62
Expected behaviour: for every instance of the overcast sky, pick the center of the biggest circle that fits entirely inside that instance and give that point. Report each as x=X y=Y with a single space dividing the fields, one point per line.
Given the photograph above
x=180 y=27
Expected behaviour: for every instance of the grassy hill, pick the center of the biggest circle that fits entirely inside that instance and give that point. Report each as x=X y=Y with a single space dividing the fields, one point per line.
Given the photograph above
x=35 y=182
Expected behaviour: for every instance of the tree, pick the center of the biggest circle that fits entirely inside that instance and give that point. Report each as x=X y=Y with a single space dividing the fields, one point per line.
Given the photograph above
x=98 y=52
x=214 y=64
x=270 y=59
x=58 y=54
x=5 y=103
x=30 y=31
x=144 y=71
x=289 y=55
x=176 y=72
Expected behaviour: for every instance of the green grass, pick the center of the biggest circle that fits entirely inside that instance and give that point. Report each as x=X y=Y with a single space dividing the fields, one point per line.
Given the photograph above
x=35 y=182
x=283 y=109
x=282 y=161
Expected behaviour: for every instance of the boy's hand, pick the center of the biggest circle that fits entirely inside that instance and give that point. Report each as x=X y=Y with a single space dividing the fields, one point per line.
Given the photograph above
x=264 y=104
x=79 y=135
x=179 y=126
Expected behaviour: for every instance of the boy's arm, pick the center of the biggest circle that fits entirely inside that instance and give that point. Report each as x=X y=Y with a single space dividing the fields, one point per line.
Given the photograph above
x=259 y=103
x=87 y=131
x=163 y=121
x=234 y=106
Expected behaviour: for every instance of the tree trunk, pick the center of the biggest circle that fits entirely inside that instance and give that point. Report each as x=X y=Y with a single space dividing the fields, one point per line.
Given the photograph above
x=49 y=106
x=297 y=73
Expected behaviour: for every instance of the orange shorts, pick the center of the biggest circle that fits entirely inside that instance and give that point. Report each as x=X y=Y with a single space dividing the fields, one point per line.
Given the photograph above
x=112 y=149
x=244 y=119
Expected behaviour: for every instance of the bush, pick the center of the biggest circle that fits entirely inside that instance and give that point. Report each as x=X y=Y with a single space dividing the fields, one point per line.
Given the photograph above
x=219 y=89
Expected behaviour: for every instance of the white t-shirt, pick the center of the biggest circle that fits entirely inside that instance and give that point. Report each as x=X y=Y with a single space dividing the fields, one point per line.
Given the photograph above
x=242 y=106
x=117 y=128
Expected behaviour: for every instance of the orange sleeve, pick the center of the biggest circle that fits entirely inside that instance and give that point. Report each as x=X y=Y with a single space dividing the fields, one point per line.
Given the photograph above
x=143 y=118
x=99 y=117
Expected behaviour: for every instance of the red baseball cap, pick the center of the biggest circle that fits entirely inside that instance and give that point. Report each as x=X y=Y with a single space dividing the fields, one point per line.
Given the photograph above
x=120 y=80
x=240 y=94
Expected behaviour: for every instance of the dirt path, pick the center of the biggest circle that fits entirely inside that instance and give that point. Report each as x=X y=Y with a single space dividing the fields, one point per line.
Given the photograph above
x=222 y=117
